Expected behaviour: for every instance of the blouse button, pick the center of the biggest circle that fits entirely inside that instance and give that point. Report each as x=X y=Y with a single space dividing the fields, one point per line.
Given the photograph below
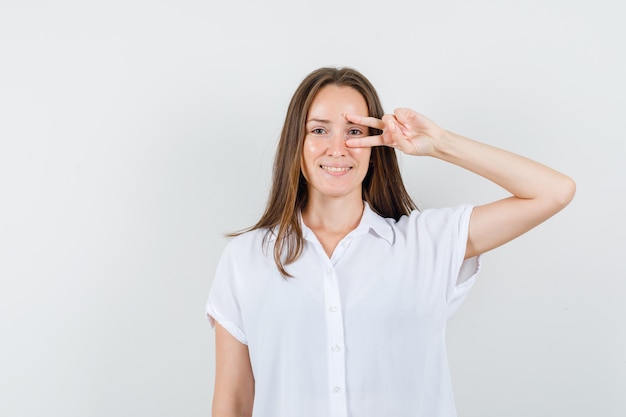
x=336 y=390
x=336 y=348
x=333 y=309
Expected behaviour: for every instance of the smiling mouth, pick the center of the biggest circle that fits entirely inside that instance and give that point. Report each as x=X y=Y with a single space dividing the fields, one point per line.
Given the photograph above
x=335 y=169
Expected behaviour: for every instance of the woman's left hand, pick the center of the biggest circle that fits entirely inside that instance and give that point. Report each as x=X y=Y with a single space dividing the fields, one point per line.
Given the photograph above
x=405 y=130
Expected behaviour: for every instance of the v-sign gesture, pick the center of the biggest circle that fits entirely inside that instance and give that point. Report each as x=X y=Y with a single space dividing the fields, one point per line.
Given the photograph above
x=405 y=130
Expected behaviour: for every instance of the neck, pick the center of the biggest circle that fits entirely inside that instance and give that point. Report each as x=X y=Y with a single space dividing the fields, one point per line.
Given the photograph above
x=333 y=215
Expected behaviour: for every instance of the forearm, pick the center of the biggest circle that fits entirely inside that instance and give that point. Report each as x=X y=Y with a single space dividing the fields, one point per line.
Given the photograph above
x=520 y=176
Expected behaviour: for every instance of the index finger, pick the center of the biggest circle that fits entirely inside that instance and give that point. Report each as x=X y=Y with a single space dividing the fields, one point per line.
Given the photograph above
x=365 y=142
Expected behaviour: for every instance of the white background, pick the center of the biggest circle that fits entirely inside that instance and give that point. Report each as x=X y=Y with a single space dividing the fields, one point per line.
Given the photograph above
x=133 y=134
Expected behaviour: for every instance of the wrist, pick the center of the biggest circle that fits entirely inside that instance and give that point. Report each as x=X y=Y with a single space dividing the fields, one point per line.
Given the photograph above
x=444 y=145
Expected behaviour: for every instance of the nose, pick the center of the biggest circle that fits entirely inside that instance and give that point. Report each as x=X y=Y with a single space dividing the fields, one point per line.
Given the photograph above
x=337 y=145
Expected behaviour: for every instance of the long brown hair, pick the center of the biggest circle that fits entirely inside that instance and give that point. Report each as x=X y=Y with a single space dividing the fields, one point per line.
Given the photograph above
x=383 y=188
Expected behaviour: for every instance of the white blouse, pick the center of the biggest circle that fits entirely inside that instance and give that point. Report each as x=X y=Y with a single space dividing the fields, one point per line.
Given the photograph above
x=359 y=334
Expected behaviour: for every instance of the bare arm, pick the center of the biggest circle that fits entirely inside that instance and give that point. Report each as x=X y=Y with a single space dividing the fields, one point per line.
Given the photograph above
x=538 y=192
x=234 y=382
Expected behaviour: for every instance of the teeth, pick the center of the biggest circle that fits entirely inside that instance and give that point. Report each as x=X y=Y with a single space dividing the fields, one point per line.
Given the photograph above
x=335 y=169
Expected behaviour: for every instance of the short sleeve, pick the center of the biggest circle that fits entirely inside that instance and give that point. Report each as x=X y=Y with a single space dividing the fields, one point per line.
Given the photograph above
x=224 y=297
x=467 y=268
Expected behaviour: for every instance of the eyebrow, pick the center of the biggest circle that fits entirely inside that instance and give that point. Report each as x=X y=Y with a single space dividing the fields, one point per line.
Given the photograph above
x=324 y=121
x=318 y=121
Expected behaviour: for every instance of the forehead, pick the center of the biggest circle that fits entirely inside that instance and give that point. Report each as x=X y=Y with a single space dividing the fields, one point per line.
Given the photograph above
x=333 y=100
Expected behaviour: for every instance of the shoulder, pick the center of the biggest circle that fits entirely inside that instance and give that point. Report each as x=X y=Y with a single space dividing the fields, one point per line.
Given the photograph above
x=433 y=220
x=246 y=255
x=437 y=214
x=250 y=243
x=443 y=215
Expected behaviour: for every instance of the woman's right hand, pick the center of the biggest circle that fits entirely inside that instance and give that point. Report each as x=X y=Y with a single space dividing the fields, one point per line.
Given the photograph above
x=405 y=130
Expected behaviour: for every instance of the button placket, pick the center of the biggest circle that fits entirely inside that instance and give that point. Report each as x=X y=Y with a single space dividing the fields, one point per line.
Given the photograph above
x=336 y=355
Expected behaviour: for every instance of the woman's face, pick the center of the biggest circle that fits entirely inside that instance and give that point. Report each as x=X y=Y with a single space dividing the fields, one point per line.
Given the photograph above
x=330 y=168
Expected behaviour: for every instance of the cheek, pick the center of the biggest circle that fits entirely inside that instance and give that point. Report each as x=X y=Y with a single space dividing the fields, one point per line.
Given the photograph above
x=311 y=150
x=363 y=155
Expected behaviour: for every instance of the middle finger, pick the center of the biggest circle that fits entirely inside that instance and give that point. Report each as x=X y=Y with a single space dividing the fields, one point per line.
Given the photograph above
x=365 y=121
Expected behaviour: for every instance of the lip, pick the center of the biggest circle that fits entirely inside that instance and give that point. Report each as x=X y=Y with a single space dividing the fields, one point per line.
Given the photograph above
x=336 y=170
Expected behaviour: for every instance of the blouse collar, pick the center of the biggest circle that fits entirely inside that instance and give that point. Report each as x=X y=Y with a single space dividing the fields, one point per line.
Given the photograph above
x=369 y=221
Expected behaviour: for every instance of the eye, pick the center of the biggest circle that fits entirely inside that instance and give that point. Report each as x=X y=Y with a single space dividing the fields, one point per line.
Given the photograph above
x=318 y=131
x=355 y=132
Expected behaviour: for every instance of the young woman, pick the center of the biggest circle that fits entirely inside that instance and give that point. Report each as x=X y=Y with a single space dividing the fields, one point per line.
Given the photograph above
x=335 y=303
